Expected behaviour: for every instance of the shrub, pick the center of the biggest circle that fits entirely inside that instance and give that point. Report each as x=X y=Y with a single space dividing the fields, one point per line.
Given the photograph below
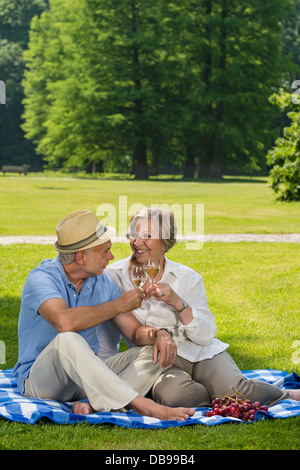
x=284 y=157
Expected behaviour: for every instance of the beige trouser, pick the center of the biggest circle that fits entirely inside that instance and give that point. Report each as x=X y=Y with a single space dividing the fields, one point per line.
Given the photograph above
x=197 y=384
x=68 y=370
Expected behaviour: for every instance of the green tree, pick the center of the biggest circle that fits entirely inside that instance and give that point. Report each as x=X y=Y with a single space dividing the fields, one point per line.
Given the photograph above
x=15 y=18
x=232 y=55
x=40 y=77
x=290 y=42
x=99 y=71
x=284 y=157
x=166 y=81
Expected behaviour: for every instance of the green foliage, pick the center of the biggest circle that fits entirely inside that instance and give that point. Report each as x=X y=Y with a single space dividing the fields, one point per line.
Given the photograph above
x=97 y=75
x=284 y=157
x=291 y=44
x=15 y=17
x=162 y=82
x=236 y=51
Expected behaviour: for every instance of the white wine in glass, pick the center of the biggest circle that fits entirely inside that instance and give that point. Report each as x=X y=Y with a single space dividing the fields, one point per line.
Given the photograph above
x=151 y=267
x=138 y=276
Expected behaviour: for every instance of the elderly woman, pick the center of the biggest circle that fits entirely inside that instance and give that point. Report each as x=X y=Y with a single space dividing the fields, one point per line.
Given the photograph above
x=177 y=304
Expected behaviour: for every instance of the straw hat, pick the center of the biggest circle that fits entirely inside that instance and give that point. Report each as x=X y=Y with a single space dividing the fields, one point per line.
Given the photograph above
x=81 y=230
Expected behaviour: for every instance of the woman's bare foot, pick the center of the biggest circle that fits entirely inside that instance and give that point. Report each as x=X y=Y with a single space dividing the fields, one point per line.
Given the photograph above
x=294 y=394
x=147 y=407
x=81 y=408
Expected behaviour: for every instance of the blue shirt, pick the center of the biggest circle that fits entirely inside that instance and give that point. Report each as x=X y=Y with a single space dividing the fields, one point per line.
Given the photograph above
x=49 y=281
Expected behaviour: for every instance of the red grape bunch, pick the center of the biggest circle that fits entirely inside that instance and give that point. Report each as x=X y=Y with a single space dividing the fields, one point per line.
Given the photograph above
x=234 y=407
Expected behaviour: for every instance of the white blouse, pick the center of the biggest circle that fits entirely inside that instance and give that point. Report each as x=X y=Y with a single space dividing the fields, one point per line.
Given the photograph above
x=195 y=341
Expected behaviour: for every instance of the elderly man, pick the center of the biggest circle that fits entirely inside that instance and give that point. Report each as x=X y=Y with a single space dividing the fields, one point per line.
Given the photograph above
x=63 y=301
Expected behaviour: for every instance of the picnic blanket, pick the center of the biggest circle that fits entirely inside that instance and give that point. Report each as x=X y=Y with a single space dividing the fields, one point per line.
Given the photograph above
x=15 y=407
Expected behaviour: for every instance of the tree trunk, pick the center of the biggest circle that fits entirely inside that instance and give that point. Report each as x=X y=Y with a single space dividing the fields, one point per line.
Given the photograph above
x=210 y=161
x=139 y=157
x=217 y=148
x=204 y=160
x=140 y=165
x=154 y=166
x=189 y=162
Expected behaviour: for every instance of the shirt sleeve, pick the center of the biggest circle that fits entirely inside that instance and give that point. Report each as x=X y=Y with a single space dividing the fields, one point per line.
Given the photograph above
x=112 y=287
x=115 y=292
x=202 y=329
x=39 y=287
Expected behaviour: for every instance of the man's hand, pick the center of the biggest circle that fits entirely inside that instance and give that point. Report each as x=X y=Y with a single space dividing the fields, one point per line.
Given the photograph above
x=131 y=300
x=64 y=318
x=165 y=347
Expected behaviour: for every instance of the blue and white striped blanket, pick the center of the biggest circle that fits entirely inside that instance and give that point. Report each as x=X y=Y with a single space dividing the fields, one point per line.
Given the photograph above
x=17 y=408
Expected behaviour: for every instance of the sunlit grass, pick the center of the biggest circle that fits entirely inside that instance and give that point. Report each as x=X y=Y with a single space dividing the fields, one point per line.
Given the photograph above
x=252 y=289
x=34 y=205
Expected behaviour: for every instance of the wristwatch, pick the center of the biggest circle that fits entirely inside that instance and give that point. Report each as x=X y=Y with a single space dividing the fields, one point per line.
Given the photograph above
x=185 y=305
x=166 y=329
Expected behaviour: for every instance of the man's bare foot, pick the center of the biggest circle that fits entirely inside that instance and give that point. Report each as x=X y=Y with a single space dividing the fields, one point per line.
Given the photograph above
x=143 y=406
x=294 y=394
x=147 y=407
x=81 y=408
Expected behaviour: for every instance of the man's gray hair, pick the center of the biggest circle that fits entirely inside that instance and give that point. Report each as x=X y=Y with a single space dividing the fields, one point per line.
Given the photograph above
x=66 y=258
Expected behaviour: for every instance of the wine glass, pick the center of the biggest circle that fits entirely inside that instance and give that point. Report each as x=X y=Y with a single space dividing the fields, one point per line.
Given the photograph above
x=151 y=266
x=138 y=276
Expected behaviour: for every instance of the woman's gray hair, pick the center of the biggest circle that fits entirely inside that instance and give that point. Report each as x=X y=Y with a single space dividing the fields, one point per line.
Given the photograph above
x=162 y=225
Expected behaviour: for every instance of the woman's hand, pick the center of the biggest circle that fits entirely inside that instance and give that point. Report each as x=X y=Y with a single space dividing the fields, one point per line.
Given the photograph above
x=163 y=291
x=165 y=347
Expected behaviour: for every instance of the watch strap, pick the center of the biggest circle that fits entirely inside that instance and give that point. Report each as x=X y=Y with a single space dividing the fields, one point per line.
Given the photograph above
x=166 y=329
x=185 y=305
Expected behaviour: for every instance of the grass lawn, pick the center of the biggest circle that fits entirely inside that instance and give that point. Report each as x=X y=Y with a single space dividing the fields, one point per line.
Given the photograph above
x=253 y=291
x=33 y=205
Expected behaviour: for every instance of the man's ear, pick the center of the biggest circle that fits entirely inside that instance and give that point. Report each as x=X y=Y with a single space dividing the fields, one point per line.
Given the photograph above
x=80 y=257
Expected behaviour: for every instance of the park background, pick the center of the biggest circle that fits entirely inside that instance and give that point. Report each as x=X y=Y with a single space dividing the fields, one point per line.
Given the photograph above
x=198 y=89
x=163 y=102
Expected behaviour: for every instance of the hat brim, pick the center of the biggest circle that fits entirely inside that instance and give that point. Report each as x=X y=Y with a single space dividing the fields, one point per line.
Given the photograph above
x=108 y=235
